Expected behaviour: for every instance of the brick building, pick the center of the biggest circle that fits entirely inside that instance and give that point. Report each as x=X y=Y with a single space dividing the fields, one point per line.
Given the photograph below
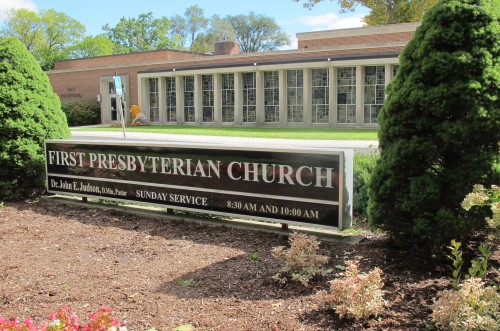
x=335 y=78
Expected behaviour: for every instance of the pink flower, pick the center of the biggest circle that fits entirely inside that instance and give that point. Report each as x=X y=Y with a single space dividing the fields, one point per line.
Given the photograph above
x=15 y=325
x=65 y=320
x=52 y=316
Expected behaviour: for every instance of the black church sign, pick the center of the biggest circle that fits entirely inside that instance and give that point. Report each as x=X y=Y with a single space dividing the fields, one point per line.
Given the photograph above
x=311 y=187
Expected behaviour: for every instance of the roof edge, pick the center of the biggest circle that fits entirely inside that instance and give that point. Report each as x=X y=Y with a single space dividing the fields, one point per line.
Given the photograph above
x=277 y=62
x=359 y=31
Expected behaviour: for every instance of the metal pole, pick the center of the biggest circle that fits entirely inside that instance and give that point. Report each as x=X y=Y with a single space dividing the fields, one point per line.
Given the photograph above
x=119 y=93
x=120 y=110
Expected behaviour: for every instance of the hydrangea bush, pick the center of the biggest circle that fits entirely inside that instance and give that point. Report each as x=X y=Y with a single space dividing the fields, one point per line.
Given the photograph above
x=481 y=196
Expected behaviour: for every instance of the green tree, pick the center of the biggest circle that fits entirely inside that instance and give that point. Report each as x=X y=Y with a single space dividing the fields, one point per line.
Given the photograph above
x=187 y=28
x=440 y=125
x=30 y=113
x=48 y=35
x=219 y=29
x=25 y=25
x=178 y=30
x=61 y=32
x=383 y=11
x=258 y=33
x=493 y=6
x=93 y=46
x=204 y=43
x=144 y=33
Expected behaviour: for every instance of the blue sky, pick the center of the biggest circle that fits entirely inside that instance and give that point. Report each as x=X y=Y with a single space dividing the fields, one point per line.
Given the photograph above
x=291 y=16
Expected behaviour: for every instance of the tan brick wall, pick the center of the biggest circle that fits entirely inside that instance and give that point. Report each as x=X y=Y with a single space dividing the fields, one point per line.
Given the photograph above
x=85 y=84
x=226 y=48
x=127 y=59
x=356 y=40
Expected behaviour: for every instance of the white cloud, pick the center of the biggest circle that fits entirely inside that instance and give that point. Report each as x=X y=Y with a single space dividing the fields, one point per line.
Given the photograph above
x=293 y=43
x=330 y=21
x=6 y=5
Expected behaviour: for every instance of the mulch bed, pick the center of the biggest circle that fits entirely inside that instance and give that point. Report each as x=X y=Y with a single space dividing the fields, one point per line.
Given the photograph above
x=166 y=273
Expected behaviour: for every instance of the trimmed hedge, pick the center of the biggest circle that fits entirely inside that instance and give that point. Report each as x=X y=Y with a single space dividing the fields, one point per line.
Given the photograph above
x=82 y=112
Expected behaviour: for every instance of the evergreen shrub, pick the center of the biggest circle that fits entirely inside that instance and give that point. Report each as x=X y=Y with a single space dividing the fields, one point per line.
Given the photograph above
x=30 y=113
x=440 y=126
x=363 y=169
x=82 y=112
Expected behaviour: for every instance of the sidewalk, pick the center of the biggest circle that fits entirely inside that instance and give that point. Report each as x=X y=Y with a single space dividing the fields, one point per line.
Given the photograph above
x=360 y=146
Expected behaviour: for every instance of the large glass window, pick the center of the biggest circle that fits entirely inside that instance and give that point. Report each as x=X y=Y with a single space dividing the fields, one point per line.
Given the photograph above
x=227 y=97
x=374 y=92
x=170 y=99
x=320 y=96
x=111 y=87
x=113 y=109
x=295 y=96
x=346 y=95
x=249 y=97
x=271 y=96
x=189 y=113
x=207 y=98
x=154 y=110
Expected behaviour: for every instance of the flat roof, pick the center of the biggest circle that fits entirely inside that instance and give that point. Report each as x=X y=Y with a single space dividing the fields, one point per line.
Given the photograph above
x=360 y=31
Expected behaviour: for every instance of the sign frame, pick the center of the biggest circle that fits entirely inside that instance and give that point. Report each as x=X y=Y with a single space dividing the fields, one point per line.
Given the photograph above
x=345 y=180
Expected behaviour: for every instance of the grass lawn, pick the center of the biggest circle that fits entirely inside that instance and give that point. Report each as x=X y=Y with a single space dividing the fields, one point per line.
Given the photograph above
x=283 y=133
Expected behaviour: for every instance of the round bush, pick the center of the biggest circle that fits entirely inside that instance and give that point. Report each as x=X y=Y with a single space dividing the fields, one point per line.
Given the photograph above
x=30 y=113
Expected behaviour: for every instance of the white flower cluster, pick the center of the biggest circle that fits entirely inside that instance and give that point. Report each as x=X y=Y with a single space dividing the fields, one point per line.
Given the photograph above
x=121 y=328
x=480 y=196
